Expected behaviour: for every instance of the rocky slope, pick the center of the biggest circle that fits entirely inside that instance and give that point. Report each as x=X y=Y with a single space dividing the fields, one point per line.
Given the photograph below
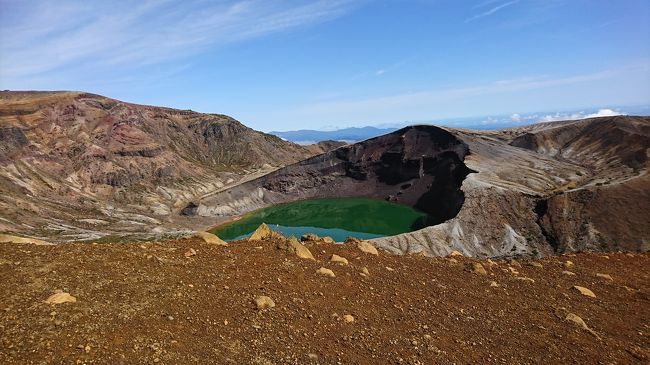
x=81 y=166
x=536 y=190
x=183 y=302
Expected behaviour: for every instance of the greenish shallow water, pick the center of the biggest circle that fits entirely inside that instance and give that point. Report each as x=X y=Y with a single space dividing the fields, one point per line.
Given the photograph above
x=338 y=218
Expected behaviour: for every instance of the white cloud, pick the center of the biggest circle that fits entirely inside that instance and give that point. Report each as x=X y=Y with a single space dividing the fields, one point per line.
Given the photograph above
x=515 y=117
x=490 y=11
x=36 y=37
x=580 y=115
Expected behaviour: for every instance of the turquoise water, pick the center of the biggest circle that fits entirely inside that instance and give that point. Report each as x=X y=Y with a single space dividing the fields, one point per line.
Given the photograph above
x=338 y=218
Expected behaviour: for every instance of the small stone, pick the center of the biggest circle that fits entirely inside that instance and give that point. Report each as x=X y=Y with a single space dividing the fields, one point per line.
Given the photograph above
x=326 y=272
x=576 y=320
x=605 y=276
x=60 y=297
x=312 y=356
x=339 y=259
x=264 y=302
x=367 y=248
x=584 y=291
x=328 y=239
x=570 y=273
x=493 y=284
x=348 y=318
x=389 y=268
x=87 y=349
x=455 y=253
x=568 y=264
x=536 y=264
x=364 y=271
x=525 y=279
x=191 y=252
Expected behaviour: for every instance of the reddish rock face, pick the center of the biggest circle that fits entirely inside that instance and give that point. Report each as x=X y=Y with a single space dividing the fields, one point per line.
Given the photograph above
x=59 y=148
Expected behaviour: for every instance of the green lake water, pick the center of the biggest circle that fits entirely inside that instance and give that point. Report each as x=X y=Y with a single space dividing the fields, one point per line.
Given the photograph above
x=338 y=218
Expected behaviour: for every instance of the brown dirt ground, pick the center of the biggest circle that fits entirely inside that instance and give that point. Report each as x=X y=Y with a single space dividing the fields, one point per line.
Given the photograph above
x=148 y=303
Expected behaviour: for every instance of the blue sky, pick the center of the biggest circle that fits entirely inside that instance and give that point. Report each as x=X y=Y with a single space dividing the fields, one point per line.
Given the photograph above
x=280 y=65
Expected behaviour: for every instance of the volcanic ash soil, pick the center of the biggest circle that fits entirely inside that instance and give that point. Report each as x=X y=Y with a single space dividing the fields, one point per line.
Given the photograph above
x=186 y=301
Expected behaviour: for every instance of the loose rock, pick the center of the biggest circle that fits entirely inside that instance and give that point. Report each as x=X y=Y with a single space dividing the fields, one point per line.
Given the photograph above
x=348 y=318
x=300 y=250
x=584 y=291
x=210 y=238
x=339 y=259
x=325 y=272
x=59 y=297
x=328 y=239
x=263 y=232
x=308 y=237
x=367 y=248
x=264 y=302
x=191 y=252
x=477 y=268
x=605 y=276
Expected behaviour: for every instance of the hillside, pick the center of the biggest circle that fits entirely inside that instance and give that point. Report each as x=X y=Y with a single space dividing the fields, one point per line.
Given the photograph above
x=186 y=302
x=79 y=166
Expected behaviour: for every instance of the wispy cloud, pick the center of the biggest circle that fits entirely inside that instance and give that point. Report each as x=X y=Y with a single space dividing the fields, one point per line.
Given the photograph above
x=464 y=101
x=36 y=37
x=420 y=98
x=491 y=11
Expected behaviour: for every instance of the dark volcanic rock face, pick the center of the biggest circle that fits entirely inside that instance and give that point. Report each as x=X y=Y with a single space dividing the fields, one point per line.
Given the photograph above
x=419 y=166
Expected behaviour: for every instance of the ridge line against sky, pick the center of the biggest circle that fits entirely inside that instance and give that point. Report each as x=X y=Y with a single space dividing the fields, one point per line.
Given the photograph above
x=280 y=65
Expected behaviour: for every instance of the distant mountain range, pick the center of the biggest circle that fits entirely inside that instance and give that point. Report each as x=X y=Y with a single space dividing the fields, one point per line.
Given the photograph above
x=308 y=136
x=356 y=134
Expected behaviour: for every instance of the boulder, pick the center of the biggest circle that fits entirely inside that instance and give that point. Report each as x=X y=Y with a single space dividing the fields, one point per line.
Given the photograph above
x=263 y=232
x=455 y=253
x=367 y=248
x=210 y=238
x=325 y=272
x=328 y=239
x=339 y=259
x=348 y=318
x=264 y=302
